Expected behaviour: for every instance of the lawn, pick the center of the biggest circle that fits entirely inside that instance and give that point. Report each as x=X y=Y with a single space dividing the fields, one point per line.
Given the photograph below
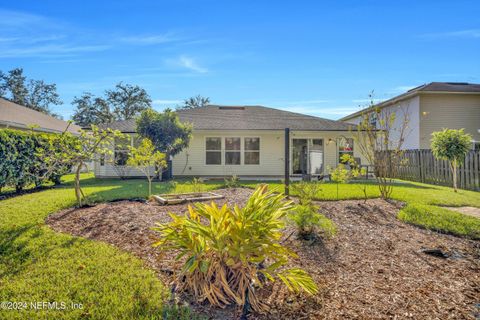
x=424 y=203
x=38 y=264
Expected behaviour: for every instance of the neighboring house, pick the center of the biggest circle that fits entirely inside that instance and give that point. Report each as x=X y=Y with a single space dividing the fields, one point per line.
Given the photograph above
x=247 y=141
x=15 y=116
x=433 y=107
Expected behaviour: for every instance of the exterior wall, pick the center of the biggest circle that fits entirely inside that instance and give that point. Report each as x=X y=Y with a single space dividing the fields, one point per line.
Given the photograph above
x=191 y=162
x=453 y=111
x=410 y=109
x=108 y=170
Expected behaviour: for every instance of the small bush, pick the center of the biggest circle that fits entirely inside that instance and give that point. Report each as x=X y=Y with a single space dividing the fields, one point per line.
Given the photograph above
x=229 y=252
x=197 y=185
x=306 y=216
x=309 y=222
x=232 y=182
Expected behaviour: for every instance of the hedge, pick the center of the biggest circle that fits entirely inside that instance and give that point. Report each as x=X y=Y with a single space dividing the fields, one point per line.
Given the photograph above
x=20 y=165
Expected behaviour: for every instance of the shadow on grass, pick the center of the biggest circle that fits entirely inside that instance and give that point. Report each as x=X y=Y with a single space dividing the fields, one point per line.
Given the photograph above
x=21 y=247
x=14 y=253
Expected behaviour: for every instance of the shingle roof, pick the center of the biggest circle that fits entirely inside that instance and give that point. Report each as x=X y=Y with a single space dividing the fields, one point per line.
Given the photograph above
x=16 y=116
x=215 y=117
x=432 y=87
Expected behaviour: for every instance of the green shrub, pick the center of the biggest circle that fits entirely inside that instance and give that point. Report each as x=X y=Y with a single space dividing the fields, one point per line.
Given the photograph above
x=232 y=182
x=230 y=251
x=306 y=216
x=20 y=164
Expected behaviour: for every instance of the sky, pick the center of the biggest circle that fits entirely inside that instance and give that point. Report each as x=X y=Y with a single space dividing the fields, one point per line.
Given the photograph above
x=321 y=58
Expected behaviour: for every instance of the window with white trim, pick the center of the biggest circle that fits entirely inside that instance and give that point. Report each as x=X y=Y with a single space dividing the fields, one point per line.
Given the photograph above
x=233 y=151
x=251 y=151
x=213 y=147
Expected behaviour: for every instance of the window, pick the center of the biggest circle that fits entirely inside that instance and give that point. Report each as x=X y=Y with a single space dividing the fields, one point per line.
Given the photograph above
x=252 y=151
x=122 y=150
x=345 y=146
x=232 y=151
x=213 y=147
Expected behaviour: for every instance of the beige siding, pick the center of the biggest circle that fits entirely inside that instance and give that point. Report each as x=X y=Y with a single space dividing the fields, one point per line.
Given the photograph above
x=453 y=111
x=191 y=162
x=408 y=111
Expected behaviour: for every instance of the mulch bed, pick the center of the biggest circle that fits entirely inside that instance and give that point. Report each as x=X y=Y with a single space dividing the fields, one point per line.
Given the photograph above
x=374 y=268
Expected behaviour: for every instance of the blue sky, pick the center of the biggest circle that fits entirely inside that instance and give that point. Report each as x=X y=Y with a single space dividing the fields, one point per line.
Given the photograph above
x=316 y=57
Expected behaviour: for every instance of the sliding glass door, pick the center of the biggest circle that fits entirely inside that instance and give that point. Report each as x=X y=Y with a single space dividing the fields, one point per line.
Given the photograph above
x=307 y=156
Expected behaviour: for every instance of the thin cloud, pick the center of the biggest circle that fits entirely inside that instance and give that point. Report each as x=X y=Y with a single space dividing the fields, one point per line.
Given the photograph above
x=468 y=33
x=189 y=63
x=52 y=50
x=149 y=39
x=367 y=100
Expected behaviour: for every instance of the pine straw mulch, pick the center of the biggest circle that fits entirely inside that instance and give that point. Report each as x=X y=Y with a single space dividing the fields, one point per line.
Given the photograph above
x=373 y=268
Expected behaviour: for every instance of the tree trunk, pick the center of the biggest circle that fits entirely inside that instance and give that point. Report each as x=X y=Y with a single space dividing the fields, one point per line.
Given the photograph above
x=78 y=191
x=454 y=175
x=149 y=187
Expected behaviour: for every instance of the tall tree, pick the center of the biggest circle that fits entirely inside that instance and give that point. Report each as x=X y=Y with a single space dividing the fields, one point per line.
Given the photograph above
x=14 y=83
x=34 y=94
x=128 y=100
x=91 y=110
x=41 y=95
x=194 y=102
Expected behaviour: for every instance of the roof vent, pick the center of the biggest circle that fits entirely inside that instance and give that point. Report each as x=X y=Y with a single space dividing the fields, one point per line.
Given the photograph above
x=458 y=83
x=231 y=108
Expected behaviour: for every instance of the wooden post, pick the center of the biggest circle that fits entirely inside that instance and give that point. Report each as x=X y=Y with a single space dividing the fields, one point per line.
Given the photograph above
x=287 y=161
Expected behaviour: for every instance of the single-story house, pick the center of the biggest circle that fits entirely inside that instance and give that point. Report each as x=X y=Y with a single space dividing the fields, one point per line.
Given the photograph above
x=248 y=141
x=15 y=116
x=432 y=107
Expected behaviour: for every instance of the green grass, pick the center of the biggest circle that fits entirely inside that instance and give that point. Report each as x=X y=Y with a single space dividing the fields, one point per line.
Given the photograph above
x=424 y=203
x=38 y=264
x=441 y=219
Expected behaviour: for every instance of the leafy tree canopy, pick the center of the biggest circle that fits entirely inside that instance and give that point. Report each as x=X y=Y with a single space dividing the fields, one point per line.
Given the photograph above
x=165 y=130
x=34 y=94
x=91 y=110
x=124 y=102
x=450 y=144
x=194 y=102
x=128 y=101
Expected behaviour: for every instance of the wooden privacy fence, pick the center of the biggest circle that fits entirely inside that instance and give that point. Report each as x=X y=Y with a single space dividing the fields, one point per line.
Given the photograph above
x=422 y=166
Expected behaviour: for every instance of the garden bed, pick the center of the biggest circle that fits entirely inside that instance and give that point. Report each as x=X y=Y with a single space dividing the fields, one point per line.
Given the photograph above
x=374 y=267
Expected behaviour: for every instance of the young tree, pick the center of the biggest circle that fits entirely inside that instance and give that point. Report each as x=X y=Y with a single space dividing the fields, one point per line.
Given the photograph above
x=451 y=145
x=194 y=102
x=147 y=159
x=128 y=100
x=380 y=136
x=34 y=94
x=167 y=133
x=91 y=110
x=89 y=146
